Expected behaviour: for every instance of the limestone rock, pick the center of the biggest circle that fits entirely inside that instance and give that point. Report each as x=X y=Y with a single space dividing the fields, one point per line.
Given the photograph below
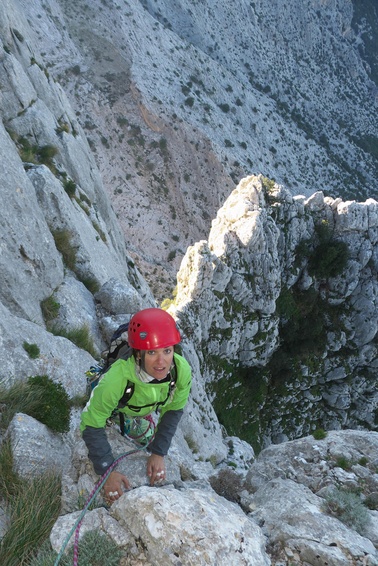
x=243 y=298
x=58 y=357
x=211 y=530
x=310 y=462
x=98 y=519
x=301 y=525
x=118 y=297
x=35 y=448
x=77 y=310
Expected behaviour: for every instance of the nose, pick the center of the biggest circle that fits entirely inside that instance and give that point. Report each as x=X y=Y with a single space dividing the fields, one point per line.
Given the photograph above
x=160 y=357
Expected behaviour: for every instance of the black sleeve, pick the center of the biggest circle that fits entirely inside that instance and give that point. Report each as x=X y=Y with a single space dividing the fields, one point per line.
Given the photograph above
x=165 y=432
x=99 y=451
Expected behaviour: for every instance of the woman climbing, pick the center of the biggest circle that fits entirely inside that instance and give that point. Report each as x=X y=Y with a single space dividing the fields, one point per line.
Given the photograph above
x=160 y=380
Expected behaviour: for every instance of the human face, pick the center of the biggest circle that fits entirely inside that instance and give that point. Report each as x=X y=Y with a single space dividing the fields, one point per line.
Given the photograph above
x=157 y=363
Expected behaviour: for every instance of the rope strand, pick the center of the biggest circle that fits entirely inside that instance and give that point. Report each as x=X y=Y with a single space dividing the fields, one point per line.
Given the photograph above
x=92 y=495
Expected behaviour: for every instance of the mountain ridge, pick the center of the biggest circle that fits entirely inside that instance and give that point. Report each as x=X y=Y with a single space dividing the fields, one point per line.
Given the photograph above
x=289 y=97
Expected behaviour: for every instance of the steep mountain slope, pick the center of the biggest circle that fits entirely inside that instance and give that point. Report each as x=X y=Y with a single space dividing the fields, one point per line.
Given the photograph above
x=64 y=265
x=282 y=302
x=43 y=130
x=181 y=100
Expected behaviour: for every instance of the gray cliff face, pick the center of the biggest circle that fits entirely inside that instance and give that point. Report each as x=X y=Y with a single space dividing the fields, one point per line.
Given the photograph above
x=36 y=210
x=273 y=307
x=105 y=162
x=181 y=101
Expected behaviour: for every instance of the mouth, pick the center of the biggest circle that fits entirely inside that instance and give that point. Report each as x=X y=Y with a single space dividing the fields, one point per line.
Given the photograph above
x=160 y=372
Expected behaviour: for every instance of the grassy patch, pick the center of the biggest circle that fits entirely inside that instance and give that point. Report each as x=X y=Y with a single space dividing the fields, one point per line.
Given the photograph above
x=32 y=506
x=95 y=549
x=348 y=508
x=70 y=187
x=32 y=350
x=319 y=434
x=50 y=309
x=239 y=396
x=90 y=283
x=40 y=398
x=79 y=336
x=63 y=242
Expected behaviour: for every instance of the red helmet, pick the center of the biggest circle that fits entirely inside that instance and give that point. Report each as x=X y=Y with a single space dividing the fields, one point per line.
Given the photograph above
x=151 y=329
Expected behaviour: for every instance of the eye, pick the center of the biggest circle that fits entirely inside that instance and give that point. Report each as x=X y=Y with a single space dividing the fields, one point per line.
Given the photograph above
x=150 y=352
x=168 y=351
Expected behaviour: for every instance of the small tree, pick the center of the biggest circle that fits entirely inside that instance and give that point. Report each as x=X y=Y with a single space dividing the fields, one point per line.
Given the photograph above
x=329 y=259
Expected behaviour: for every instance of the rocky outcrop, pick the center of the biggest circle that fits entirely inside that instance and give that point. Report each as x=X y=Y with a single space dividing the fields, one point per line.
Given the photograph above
x=37 y=210
x=302 y=502
x=306 y=475
x=283 y=298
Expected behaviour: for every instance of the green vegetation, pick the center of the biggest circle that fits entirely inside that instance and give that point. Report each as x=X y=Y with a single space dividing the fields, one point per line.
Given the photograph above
x=90 y=283
x=32 y=153
x=101 y=233
x=79 y=336
x=122 y=121
x=348 y=508
x=63 y=242
x=329 y=259
x=63 y=127
x=362 y=14
x=191 y=443
x=304 y=318
x=343 y=462
x=20 y=398
x=85 y=199
x=166 y=303
x=224 y=107
x=70 y=187
x=40 y=398
x=33 y=506
x=50 y=309
x=319 y=434
x=268 y=186
x=367 y=143
x=371 y=501
x=95 y=549
x=239 y=394
x=54 y=407
x=32 y=350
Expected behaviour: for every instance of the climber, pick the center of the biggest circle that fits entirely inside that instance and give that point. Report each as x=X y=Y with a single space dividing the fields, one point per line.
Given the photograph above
x=152 y=335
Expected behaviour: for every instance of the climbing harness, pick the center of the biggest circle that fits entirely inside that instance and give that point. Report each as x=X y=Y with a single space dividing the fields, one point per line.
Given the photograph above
x=139 y=430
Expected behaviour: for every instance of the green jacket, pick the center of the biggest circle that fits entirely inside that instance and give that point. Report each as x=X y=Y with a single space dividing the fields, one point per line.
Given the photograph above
x=107 y=394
